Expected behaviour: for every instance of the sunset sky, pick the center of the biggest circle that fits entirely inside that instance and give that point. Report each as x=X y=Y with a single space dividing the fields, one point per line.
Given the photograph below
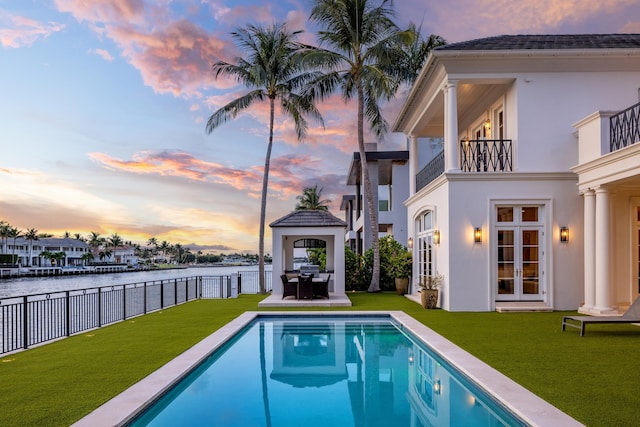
x=103 y=107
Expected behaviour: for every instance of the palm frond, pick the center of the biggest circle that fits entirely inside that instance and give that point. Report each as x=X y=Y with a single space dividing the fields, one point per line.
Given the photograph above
x=232 y=109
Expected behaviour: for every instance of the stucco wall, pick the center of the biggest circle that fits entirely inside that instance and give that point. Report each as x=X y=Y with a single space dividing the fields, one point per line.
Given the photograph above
x=463 y=204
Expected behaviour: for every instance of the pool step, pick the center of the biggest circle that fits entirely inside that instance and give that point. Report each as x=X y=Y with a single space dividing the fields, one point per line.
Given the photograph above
x=515 y=306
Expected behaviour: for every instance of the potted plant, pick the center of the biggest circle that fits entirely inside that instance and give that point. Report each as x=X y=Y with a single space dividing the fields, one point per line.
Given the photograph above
x=400 y=269
x=429 y=286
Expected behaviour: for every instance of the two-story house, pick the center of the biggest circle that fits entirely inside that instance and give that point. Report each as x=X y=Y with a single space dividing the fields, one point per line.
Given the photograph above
x=499 y=210
x=389 y=174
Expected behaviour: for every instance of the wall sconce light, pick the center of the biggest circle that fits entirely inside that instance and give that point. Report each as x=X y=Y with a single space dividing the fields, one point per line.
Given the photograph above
x=410 y=243
x=477 y=235
x=564 y=234
x=436 y=237
x=487 y=124
x=437 y=387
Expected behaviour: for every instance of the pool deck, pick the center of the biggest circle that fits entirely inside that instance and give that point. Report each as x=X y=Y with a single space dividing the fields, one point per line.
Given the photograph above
x=532 y=409
x=334 y=300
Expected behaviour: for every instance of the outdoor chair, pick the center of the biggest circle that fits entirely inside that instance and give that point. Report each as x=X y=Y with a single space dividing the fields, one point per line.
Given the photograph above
x=288 y=288
x=321 y=289
x=305 y=287
x=632 y=315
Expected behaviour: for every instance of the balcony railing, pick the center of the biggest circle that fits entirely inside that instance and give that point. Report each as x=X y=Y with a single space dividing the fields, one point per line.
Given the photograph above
x=624 y=128
x=431 y=171
x=486 y=155
x=483 y=155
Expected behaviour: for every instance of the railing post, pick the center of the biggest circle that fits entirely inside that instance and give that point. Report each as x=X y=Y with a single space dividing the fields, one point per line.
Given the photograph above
x=175 y=292
x=161 y=294
x=25 y=322
x=68 y=313
x=145 y=298
x=124 y=302
x=99 y=307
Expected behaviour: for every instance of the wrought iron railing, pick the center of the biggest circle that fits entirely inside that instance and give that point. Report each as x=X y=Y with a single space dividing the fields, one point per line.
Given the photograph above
x=29 y=320
x=431 y=171
x=624 y=129
x=486 y=155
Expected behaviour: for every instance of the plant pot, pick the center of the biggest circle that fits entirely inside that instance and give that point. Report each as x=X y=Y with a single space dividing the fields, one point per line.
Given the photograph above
x=429 y=298
x=402 y=285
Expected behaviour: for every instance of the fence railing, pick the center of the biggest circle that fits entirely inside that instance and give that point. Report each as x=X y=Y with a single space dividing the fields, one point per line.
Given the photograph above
x=29 y=320
x=486 y=155
x=249 y=282
x=430 y=172
x=624 y=128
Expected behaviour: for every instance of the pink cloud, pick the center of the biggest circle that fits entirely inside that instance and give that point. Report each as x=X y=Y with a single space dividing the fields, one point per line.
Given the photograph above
x=240 y=14
x=173 y=59
x=104 y=11
x=286 y=173
x=103 y=54
x=172 y=56
x=20 y=31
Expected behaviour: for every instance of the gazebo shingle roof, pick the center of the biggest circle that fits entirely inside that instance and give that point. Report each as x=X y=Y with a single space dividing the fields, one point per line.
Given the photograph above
x=308 y=218
x=548 y=42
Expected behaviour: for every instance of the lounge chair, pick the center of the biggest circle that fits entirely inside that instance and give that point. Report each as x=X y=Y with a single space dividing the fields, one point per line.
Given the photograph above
x=632 y=315
x=288 y=288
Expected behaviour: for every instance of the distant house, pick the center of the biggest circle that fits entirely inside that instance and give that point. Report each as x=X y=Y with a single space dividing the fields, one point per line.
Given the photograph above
x=532 y=200
x=389 y=174
x=30 y=252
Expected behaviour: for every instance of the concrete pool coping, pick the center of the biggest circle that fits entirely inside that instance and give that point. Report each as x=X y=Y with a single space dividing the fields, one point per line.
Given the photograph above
x=124 y=407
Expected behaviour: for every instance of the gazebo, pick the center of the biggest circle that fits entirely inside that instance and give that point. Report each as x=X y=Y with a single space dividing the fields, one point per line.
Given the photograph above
x=305 y=226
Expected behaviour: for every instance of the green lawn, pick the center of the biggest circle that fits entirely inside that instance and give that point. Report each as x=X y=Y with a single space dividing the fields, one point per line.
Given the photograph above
x=593 y=378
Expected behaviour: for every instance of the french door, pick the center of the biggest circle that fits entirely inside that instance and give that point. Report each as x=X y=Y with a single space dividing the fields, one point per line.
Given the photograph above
x=519 y=254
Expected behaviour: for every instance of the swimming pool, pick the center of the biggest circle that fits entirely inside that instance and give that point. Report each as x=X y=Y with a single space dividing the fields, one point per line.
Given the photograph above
x=328 y=369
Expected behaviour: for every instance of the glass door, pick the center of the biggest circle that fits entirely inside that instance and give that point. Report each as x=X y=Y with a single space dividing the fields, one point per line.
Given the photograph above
x=518 y=255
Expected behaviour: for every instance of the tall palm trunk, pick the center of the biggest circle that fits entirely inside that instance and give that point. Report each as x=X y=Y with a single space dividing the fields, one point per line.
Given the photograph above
x=263 y=203
x=374 y=286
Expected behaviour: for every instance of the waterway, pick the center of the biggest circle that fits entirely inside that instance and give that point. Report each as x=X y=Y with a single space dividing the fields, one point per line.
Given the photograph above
x=19 y=286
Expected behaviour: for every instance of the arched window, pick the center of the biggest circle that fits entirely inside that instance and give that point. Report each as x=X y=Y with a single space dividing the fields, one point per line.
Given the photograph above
x=424 y=253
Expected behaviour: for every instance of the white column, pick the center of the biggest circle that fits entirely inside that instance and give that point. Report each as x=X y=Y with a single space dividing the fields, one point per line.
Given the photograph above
x=589 y=251
x=413 y=164
x=603 y=291
x=451 y=127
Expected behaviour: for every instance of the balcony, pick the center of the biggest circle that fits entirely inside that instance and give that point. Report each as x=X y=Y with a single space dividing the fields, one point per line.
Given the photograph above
x=624 y=129
x=482 y=155
x=486 y=155
x=431 y=171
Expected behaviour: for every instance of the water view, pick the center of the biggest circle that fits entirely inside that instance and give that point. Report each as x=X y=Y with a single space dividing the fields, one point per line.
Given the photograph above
x=36 y=285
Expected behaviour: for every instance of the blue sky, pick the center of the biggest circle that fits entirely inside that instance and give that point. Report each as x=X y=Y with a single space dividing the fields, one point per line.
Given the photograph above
x=103 y=107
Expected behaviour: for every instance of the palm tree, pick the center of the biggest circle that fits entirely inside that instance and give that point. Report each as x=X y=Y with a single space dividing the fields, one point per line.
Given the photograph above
x=87 y=257
x=414 y=54
x=4 y=235
x=115 y=241
x=177 y=248
x=310 y=200
x=164 y=248
x=95 y=241
x=14 y=233
x=273 y=70
x=106 y=253
x=365 y=42
x=31 y=234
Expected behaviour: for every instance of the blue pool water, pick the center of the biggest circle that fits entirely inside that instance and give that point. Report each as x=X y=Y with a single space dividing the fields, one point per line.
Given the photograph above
x=325 y=371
